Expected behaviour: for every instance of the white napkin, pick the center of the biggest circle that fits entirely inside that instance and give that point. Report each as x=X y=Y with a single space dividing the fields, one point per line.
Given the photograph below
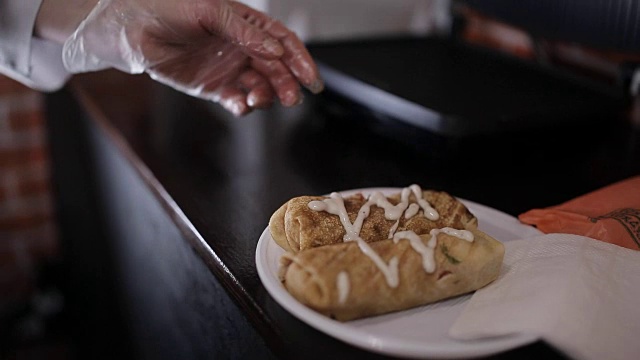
x=580 y=295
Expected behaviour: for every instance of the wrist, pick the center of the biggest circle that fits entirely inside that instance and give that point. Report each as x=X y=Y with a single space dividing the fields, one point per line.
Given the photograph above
x=58 y=19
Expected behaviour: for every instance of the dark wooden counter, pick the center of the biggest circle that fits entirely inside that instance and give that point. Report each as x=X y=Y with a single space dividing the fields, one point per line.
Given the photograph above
x=217 y=180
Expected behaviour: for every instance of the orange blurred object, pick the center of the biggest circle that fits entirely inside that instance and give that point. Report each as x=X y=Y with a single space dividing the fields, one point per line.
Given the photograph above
x=610 y=214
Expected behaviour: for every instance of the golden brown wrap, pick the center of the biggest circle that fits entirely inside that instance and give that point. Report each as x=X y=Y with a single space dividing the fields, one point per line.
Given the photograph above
x=461 y=267
x=295 y=227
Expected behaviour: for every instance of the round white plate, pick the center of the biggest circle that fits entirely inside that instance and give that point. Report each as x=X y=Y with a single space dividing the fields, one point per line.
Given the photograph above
x=416 y=333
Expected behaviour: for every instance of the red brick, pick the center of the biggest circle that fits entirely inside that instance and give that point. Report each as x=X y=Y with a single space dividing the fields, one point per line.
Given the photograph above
x=26 y=120
x=19 y=157
x=15 y=283
x=24 y=221
x=33 y=244
x=27 y=188
x=9 y=86
x=8 y=257
x=31 y=172
x=46 y=247
x=43 y=243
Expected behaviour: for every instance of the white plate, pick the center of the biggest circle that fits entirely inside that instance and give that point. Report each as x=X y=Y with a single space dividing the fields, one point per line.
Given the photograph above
x=416 y=333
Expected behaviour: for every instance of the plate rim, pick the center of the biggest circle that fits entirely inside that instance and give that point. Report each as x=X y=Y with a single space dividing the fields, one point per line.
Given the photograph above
x=359 y=337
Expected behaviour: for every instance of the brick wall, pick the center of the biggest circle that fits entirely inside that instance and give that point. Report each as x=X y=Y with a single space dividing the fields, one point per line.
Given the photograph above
x=27 y=227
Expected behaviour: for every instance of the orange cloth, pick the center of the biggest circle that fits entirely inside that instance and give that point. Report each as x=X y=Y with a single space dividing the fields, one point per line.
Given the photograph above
x=610 y=214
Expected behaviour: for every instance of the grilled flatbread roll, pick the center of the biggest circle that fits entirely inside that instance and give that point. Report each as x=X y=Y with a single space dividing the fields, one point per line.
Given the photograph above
x=342 y=282
x=295 y=226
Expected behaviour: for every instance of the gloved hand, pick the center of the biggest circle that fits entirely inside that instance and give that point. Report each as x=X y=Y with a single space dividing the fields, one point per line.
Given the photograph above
x=219 y=50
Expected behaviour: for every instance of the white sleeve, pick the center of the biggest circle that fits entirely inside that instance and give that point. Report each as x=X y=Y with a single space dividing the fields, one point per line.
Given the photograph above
x=34 y=62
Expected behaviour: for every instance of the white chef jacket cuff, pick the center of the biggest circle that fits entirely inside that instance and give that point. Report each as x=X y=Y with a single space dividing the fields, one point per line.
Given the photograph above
x=34 y=62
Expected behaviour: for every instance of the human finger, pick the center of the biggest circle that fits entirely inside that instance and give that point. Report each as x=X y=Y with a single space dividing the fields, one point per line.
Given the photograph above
x=295 y=55
x=281 y=79
x=233 y=99
x=260 y=94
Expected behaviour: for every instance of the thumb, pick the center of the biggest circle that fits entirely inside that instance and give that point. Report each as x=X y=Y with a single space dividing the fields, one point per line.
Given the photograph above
x=253 y=41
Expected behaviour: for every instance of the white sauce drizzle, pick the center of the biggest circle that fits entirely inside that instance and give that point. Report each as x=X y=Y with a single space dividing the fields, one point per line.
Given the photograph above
x=460 y=234
x=390 y=271
x=411 y=211
x=427 y=251
x=393 y=229
x=343 y=287
x=429 y=212
x=428 y=258
x=335 y=205
x=391 y=212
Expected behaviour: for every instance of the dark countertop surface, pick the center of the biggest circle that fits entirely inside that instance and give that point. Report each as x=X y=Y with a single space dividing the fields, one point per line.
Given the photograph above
x=221 y=178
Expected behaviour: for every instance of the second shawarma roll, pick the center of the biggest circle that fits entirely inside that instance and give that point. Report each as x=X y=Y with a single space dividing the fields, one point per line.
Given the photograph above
x=342 y=282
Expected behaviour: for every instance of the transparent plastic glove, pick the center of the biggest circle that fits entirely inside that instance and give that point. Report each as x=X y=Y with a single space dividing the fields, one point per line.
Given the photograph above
x=219 y=50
